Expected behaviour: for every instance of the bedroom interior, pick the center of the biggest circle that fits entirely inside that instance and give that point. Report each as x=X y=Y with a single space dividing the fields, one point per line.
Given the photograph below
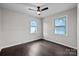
x=38 y=29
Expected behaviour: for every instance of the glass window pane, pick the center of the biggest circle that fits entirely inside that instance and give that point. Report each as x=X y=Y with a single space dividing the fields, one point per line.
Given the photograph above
x=33 y=23
x=33 y=26
x=60 y=25
x=60 y=30
x=60 y=21
x=33 y=29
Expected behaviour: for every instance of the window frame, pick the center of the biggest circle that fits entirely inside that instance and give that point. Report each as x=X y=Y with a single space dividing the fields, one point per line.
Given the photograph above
x=33 y=26
x=66 y=25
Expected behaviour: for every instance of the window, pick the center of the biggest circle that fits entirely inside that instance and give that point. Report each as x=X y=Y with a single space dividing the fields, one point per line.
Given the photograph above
x=60 y=25
x=33 y=26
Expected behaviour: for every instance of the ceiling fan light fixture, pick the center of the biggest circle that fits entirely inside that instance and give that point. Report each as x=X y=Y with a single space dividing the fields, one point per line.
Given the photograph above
x=38 y=12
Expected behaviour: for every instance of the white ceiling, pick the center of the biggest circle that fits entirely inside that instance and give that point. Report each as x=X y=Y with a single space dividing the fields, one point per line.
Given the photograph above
x=52 y=8
x=38 y=4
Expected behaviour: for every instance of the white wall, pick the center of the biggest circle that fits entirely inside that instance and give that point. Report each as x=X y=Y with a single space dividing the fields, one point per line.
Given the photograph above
x=78 y=29
x=0 y=27
x=16 y=28
x=71 y=38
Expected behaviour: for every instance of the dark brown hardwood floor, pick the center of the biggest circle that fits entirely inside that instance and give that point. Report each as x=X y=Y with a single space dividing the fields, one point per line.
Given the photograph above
x=39 y=47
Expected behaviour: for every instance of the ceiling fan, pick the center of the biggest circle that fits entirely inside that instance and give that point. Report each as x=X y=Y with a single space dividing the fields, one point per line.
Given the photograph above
x=39 y=10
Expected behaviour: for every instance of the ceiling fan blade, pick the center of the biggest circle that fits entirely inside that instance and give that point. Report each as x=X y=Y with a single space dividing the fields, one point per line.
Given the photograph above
x=44 y=9
x=32 y=9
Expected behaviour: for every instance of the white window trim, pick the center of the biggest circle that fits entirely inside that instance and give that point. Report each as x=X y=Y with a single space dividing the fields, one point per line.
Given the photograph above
x=66 y=30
